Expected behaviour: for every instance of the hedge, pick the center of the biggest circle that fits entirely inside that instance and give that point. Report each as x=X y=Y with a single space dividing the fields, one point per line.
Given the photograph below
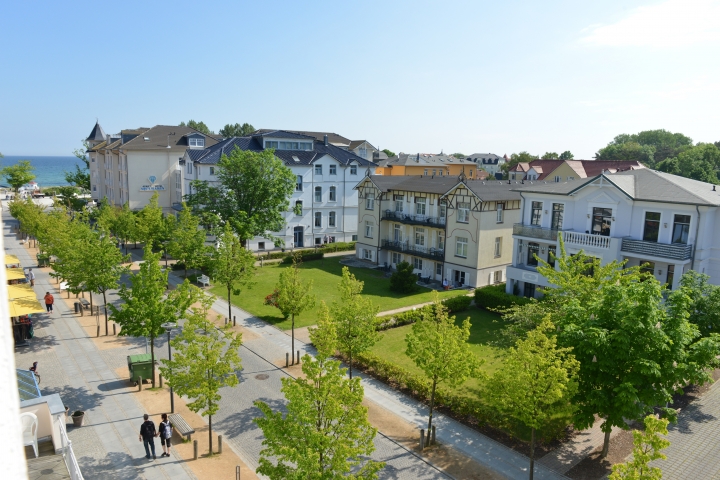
x=338 y=247
x=305 y=256
x=457 y=304
x=454 y=305
x=494 y=297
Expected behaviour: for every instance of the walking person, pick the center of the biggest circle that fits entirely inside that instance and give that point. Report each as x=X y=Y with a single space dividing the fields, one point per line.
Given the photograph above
x=166 y=431
x=31 y=277
x=147 y=436
x=49 y=300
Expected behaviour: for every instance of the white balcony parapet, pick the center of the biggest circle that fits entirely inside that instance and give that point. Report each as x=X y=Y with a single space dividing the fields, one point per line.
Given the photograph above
x=69 y=456
x=586 y=240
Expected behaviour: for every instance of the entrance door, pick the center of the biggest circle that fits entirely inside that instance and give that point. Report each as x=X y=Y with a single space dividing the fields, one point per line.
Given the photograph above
x=459 y=278
x=298 y=231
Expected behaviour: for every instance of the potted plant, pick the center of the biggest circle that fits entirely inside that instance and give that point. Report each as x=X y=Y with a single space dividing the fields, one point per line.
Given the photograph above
x=77 y=418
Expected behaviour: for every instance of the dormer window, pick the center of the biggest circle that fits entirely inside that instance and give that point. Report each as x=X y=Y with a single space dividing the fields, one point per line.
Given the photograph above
x=196 y=142
x=278 y=145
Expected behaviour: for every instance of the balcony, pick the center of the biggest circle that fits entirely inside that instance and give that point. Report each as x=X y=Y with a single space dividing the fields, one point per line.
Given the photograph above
x=436 y=222
x=674 y=251
x=578 y=239
x=415 y=250
x=533 y=231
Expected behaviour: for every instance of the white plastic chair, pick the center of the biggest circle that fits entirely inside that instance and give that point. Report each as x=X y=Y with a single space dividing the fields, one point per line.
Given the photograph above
x=30 y=427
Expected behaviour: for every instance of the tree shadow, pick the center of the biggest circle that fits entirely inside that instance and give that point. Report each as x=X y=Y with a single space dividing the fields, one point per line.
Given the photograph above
x=114 y=466
x=75 y=398
x=114 y=385
x=239 y=423
x=689 y=418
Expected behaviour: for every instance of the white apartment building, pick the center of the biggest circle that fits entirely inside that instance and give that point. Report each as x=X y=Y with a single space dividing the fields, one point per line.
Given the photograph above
x=665 y=223
x=489 y=161
x=326 y=175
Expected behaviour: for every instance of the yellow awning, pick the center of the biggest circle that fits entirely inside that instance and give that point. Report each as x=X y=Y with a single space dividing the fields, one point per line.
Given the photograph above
x=25 y=306
x=21 y=290
x=15 y=273
x=11 y=260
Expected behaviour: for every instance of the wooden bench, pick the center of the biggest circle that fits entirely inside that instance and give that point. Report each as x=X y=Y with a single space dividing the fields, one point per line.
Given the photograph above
x=181 y=426
x=84 y=302
x=204 y=280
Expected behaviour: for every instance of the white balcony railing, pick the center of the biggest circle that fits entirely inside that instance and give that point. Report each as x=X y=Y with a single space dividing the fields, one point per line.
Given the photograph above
x=69 y=455
x=586 y=239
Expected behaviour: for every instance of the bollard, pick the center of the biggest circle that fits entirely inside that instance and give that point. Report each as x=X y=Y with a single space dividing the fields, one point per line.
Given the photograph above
x=234 y=324
x=298 y=357
x=114 y=331
x=237 y=472
x=98 y=331
x=433 y=435
x=287 y=360
x=195 y=449
x=219 y=444
x=160 y=376
x=139 y=384
x=422 y=439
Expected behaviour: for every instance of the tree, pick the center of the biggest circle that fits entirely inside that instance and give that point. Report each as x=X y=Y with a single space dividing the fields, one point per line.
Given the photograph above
x=145 y=307
x=458 y=155
x=440 y=349
x=389 y=153
x=237 y=130
x=81 y=176
x=354 y=317
x=646 y=448
x=124 y=225
x=293 y=296
x=149 y=224
x=19 y=174
x=700 y=162
x=199 y=126
x=205 y=360
x=566 y=155
x=550 y=156
x=252 y=195
x=325 y=433
x=231 y=265
x=535 y=377
x=187 y=244
x=515 y=158
x=403 y=280
x=648 y=147
x=704 y=298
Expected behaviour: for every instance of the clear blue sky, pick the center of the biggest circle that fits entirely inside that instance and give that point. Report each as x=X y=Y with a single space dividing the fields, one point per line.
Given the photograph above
x=409 y=76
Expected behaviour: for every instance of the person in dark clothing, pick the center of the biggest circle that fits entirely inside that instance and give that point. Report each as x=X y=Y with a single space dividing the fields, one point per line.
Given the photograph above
x=166 y=430
x=147 y=436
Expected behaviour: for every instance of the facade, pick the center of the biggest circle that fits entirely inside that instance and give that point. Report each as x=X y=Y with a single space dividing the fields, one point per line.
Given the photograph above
x=326 y=175
x=568 y=170
x=662 y=222
x=489 y=161
x=447 y=228
x=361 y=148
x=131 y=166
x=430 y=165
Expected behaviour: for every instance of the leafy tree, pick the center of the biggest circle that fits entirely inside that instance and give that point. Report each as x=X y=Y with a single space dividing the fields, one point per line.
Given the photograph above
x=69 y=197
x=648 y=147
x=515 y=158
x=535 y=377
x=566 y=155
x=325 y=433
x=550 y=156
x=199 y=126
x=252 y=195
x=231 y=265
x=390 y=153
x=704 y=298
x=441 y=350
x=145 y=307
x=403 y=280
x=81 y=176
x=293 y=296
x=124 y=225
x=354 y=317
x=646 y=448
x=699 y=163
x=149 y=223
x=237 y=130
x=19 y=174
x=187 y=244
x=458 y=155
x=205 y=360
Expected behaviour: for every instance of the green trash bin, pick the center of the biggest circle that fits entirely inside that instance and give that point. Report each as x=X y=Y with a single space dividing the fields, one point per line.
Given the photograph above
x=140 y=366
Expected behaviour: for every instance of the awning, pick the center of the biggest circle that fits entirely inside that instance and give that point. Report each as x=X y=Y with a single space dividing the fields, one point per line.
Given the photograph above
x=20 y=290
x=15 y=273
x=11 y=260
x=24 y=306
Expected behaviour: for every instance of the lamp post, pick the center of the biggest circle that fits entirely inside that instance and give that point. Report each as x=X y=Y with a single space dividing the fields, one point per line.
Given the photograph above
x=168 y=326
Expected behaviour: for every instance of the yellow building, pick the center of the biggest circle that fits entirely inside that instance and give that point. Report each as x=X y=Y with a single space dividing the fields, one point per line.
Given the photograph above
x=429 y=165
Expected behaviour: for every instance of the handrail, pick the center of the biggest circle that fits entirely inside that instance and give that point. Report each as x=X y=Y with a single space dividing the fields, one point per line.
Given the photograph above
x=68 y=453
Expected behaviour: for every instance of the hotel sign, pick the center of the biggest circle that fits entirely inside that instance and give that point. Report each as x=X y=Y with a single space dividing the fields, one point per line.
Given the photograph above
x=152 y=187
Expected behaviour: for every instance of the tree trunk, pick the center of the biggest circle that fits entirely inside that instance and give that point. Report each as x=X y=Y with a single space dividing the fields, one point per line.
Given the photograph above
x=432 y=405
x=185 y=265
x=350 y=364
x=210 y=433
x=152 y=358
x=292 y=347
x=106 y=315
x=229 y=304
x=606 y=443
x=91 y=304
x=532 y=452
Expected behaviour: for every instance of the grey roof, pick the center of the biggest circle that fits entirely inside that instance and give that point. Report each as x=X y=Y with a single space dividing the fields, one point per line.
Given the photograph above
x=642 y=184
x=97 y=134
x=422 y=159
x=212 y=154
x=488 y=190
x=159 y=135
x=333 y=138
x=282 y=134
x=483 y=158
x=356 y=143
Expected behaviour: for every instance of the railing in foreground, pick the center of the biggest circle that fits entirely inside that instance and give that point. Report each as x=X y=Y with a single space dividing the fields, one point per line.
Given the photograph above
x=69 y=455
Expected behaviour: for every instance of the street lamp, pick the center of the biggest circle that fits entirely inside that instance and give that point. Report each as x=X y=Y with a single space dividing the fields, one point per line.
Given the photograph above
x=168 y=326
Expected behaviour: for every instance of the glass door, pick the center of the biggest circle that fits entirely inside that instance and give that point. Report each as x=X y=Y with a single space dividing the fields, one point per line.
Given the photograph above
x=601 y=221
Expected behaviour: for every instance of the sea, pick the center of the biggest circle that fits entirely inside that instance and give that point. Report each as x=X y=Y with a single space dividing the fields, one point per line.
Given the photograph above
x=49 y=171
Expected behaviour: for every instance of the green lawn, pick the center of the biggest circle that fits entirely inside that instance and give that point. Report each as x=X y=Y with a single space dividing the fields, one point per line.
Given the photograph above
x=325 y=275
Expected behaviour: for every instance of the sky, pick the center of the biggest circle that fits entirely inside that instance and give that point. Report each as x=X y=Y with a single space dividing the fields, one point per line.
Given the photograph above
x=415 y=76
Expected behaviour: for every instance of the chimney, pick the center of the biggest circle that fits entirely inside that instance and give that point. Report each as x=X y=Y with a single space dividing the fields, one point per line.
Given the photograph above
x=325 y=139
x=107 y=139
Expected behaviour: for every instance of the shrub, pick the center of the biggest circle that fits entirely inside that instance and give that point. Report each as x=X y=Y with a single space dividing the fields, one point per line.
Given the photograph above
x=338 y=247
x=457 y=304
x=403 y=279
x=493 y=297
x=305 y=256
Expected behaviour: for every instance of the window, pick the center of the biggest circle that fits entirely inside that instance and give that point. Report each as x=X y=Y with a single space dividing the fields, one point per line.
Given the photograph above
x=396 y=258
x=499 y=217
x=362 y=152
x=536 y=213
x=399 y=203
x=529 y=290
x=331 y=219
x=652 y=226
x=318 y=194
x=370 y=201
x=368 y=228
x=94 y=188
x=333 y=169
x=318 y=219
x=397 y=232
x=367 y=254
x=197 y=142
x=298 y=207
x=354 y=238
x=434 y=172
x=681 y=229
x=459 y=278
x=441 y=173
x=601 y=221
x=533 y=250
x=463 y=212
x=318 y=169
x=648 y=267
x=271 y=144
x=92 y=159
x=670 y=276
x=178 y=183
x=443 y=211
x=420 y=203
x=461 y=247
x=212 y=170
x=318 y=240
x=498 y=247
x=426 y=172
x=571 y=178
x=497 y=276
x=558 y=211
x=441 y=240
x=420 y=237
x=298 y=184
x=551 y=255
x=353 y=169
x=417 y=263
x=557 y=178
x=333 y=196
x=288 y=145
x=261 y=245
x=438 y=269
x=189 y=168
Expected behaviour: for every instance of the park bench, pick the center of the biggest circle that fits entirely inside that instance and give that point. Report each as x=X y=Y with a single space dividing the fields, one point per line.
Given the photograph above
x=204 y=280
x=181 y=426
x=84 y=302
